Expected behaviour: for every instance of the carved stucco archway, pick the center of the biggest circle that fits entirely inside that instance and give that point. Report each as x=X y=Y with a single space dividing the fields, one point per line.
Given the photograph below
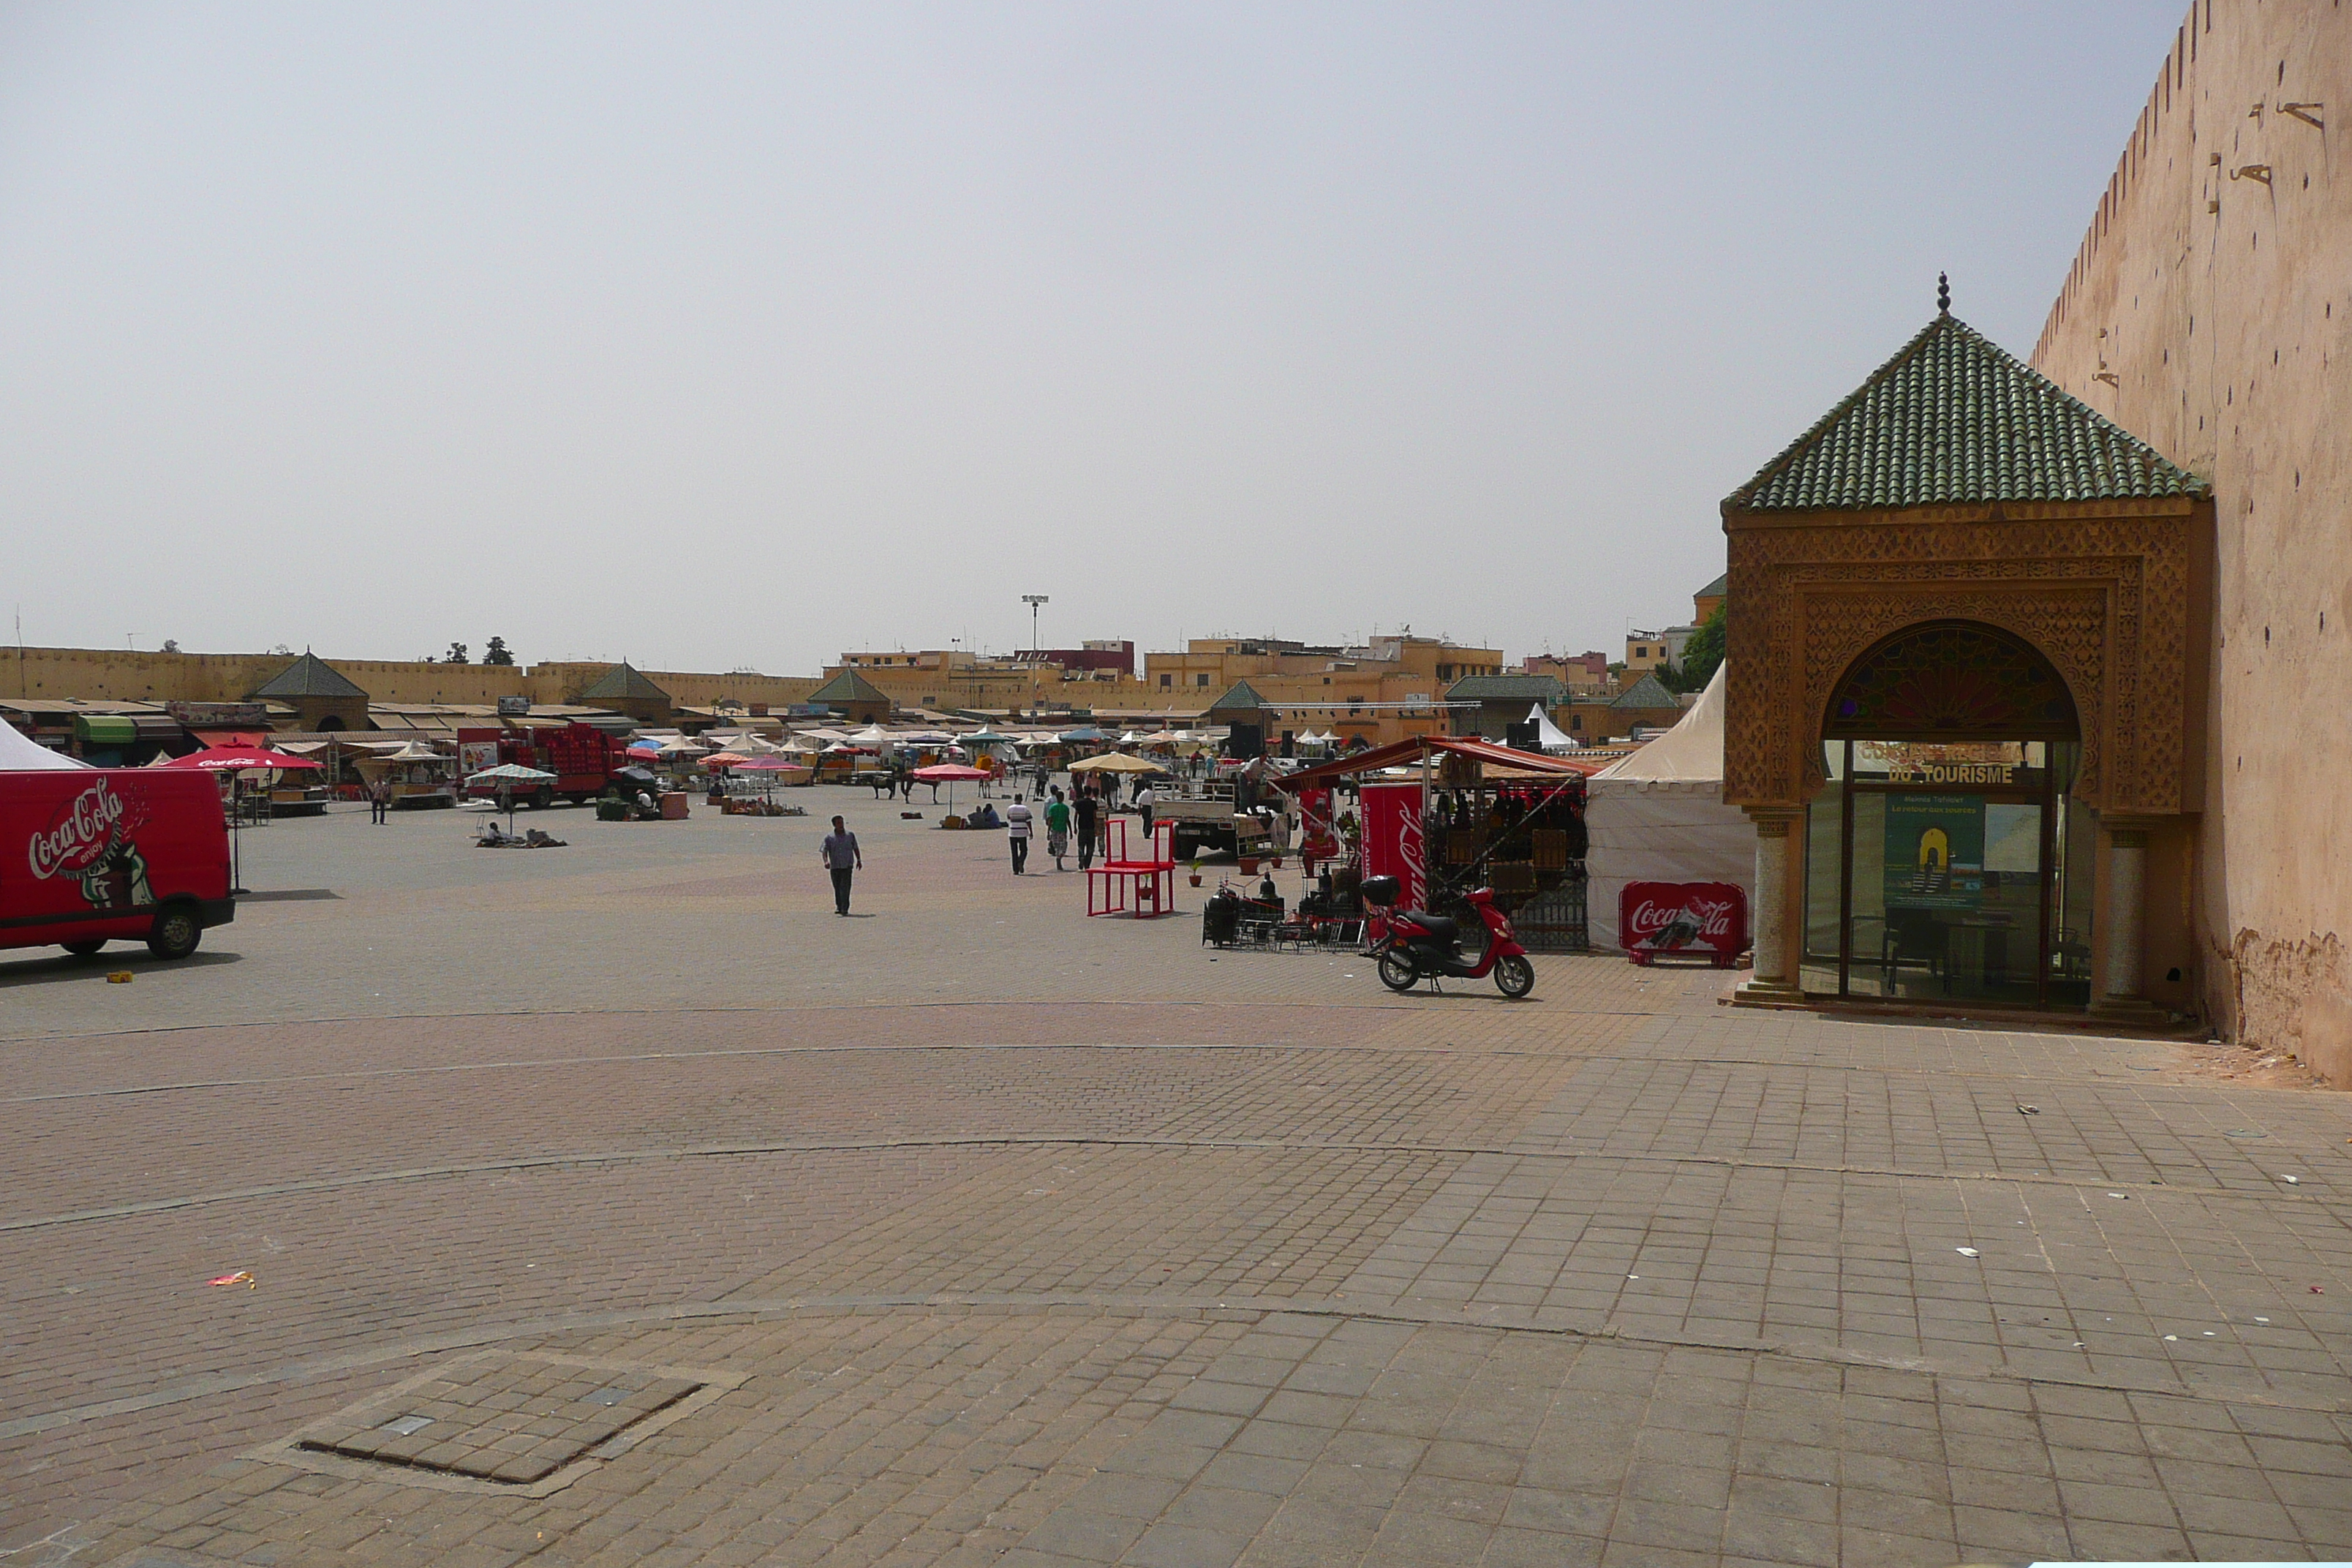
x=2109 y=607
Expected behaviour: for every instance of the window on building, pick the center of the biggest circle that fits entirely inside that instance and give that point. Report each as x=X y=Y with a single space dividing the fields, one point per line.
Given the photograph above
x=1167 y=682
x=1201 y=679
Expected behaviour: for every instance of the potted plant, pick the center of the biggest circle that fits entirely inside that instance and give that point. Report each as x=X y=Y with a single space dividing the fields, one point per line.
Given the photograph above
x=1192 y=870
x=1249 y=865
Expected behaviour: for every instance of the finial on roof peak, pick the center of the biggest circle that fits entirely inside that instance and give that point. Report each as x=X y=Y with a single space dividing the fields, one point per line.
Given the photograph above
x=1943 y=293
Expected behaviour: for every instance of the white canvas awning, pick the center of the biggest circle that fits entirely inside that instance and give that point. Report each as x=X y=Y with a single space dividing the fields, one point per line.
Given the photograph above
x=1658 y=816
x=20 y=753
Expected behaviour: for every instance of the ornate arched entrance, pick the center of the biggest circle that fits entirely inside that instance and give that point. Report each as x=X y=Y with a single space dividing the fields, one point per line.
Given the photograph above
x=1946 y=854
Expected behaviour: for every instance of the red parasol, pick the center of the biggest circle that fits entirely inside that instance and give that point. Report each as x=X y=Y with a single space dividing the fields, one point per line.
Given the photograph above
x=242 y=759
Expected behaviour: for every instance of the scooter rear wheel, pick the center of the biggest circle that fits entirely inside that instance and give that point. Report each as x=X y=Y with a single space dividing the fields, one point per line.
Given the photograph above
x=1398 y=972
x=1513 y=975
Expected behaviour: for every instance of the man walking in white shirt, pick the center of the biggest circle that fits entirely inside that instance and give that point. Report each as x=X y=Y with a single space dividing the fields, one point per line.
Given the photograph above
x=1017 y=823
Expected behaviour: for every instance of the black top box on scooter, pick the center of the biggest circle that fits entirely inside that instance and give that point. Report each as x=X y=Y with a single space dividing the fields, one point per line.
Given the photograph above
x=1381 y=892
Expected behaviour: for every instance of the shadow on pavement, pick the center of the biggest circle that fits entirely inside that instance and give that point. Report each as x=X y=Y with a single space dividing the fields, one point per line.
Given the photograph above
x=57 y=968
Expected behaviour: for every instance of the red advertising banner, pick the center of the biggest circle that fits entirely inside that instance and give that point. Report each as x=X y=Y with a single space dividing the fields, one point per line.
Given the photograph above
x=1392 y=839
x=1316 y=839
x=1691 y=919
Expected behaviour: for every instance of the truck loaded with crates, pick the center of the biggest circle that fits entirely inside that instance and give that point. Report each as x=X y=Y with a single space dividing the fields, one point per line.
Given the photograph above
x=582 y=757
x=1207 y=822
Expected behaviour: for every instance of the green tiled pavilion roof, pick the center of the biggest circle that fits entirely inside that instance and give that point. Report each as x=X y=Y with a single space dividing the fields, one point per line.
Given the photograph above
x=1238 y=696
x=1955 y=419
x=848 y=686
x=309 y=675
x=1648 y=693
x=624 y=682
x=1504 y=688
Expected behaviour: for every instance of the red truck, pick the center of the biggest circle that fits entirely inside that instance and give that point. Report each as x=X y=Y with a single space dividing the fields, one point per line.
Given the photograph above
x=98 y=854
x=581 y=756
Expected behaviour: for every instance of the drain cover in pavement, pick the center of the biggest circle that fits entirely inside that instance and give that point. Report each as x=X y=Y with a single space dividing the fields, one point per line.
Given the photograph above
x=513 y=1420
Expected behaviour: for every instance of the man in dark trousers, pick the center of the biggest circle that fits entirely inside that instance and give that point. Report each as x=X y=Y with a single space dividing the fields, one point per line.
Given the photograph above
x=1017 y=826
x=839 y=852
x=1090 y=810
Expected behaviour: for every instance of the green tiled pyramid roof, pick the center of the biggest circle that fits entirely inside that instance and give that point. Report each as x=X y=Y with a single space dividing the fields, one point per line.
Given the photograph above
x=1240 y=694
x=1647 y=692
x=1952 y=419
x=848 y=686
x=309 y=675
x=1504 y=688
x=624 y=683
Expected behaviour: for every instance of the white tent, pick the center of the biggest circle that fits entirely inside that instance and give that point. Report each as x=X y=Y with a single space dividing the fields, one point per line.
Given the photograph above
x=1549 y=736
x=20 y=753
x=1658 y=816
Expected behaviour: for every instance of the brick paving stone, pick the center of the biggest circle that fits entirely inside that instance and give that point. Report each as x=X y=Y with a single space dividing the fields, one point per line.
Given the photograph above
x=1042 y=1241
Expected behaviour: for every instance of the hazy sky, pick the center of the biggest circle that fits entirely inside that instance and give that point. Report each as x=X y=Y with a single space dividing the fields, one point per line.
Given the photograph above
x=716 y=336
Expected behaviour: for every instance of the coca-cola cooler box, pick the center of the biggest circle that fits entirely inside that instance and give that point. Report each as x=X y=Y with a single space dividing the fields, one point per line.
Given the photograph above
x=1682 y=920
x=89 y=857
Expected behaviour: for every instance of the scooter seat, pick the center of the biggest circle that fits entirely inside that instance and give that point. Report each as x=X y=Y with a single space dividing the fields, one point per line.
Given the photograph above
x=1441 y=928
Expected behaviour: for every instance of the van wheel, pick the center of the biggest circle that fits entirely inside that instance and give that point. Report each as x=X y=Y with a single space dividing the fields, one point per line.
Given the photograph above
x=175 y=933
x=85 y=947
x=543 y=799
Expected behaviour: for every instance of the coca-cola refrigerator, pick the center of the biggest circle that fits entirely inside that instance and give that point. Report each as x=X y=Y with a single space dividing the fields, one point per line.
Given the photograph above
x=1704 y=920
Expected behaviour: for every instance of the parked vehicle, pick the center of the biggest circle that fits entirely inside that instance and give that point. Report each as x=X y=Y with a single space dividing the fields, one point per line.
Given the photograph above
x=1206 y=823
x=1415 y=945
x=90 y=857
x=582 y=758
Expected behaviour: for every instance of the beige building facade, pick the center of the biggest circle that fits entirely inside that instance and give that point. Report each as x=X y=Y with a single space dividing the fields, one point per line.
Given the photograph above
x=125 y=675
x=2200 y=314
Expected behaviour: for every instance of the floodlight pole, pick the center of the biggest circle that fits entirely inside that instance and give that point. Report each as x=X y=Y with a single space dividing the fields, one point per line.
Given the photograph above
x=1033 y=601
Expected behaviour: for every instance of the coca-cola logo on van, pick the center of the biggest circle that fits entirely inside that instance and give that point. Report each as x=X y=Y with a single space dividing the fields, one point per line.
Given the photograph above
x=79 y=835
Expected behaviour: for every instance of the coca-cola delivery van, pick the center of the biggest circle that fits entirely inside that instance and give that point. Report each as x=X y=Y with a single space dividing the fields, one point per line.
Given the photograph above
x=93 y=856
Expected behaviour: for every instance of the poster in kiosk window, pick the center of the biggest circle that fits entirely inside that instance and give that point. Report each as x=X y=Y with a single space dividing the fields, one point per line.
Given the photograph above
x=1686 y=919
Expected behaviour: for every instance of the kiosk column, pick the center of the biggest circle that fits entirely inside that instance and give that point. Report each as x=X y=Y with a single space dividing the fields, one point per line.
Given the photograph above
x=2123 y=847
x=1780 y=910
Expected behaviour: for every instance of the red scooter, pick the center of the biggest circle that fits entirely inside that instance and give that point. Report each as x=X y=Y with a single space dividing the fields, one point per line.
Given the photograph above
x=1413 y=945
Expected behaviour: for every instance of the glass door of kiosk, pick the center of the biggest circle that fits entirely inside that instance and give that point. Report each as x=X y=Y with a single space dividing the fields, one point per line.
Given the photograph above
x=1947 y=861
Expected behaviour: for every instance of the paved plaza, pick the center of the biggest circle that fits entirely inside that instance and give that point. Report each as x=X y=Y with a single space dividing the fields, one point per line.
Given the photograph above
x=619 y=1204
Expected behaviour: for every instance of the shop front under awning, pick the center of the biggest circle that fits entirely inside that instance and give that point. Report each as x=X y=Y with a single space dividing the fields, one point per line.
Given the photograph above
x=1522 y=763
x=105 y=730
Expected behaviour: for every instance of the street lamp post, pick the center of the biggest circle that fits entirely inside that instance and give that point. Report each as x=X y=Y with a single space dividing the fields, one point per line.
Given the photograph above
x=1033 y=601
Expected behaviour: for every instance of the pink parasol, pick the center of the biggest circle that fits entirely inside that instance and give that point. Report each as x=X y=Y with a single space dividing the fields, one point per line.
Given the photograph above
x=949 y=774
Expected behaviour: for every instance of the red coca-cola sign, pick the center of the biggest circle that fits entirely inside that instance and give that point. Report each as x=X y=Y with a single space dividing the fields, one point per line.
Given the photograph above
x=79 y=834
x=1691 y=919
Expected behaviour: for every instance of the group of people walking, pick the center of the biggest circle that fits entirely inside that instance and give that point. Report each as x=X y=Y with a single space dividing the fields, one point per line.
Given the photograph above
x=1084 y=811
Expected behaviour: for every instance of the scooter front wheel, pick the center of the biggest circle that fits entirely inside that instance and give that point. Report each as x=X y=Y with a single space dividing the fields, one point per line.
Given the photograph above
x=1399 y=973
x=1513 y=975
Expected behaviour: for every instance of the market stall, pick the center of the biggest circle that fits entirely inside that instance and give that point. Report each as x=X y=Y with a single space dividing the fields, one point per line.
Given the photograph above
x=1658 y=816
x=419 y=776
x=1446 y=815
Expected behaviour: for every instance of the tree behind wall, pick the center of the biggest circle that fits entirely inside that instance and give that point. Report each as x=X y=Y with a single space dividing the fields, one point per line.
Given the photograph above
x=498 y=652
x=1701 y=655
x=456 y=654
